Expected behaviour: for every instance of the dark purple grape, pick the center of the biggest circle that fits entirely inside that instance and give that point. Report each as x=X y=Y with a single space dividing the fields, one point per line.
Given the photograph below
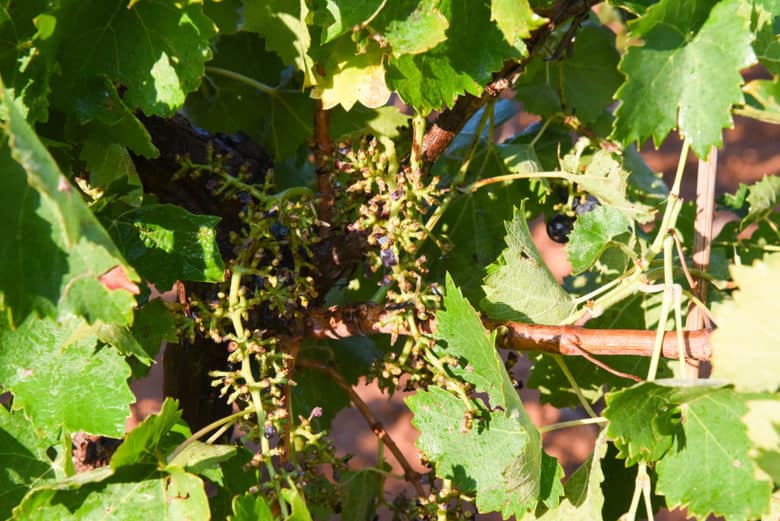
x=588 y=205
x=279 y=231
x=388 y=258
x=559 y=227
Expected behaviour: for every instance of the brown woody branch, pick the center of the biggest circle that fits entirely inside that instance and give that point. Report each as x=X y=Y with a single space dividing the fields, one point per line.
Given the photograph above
x=451 y=121
x=410 y=474
x=369 y=319
x=323 y=158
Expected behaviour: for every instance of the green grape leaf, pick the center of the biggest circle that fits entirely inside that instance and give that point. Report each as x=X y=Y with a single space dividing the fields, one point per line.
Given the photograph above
x=519 y=285
x=251 y=508
x=644 y=184
x=102 y=39
x=419 y=31
x=584 y=499
x=594 y=232
x=714 y=444
x=762 y=100
x=762 y=198
x=582 y=84
x=132 y=493
x=473 y=224
x=122 y=339
x=154 y=323
x=148 y=443
x=767 y=43
x=593 y=381
x=278 y=118
x=360 y=491
x=604 y=178
x=474 y=49
x=352 y=76
x=283 y=24
x=686 y=74
x=690 y=426
x=107 y=118
x=300 y=512
x=351 y=357
x=346 y=14
x=749 y=365
x=475 y=459
x=460 y=334
x=61 y=380
x=353 y=124
x=516 y=20
x=628 y=412
x=198 y=457
x=763 y=428
x=24 y=29
x=25 y=462
x=111 y=165
x=57 y=267
x=166 y=243
x=460 y=330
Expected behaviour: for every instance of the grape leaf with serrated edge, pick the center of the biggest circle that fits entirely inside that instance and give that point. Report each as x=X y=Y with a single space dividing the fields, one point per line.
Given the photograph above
x=64 y=382
x=593 y=232
x=686 y=74
x=144 y=444
x=25 y=462
x=460 y=334
x=135 y=492
x=603 y=178
x=583 y=83
x=346 y=14
x=166 y=243
x=716 y=446
x=473 y=224
x=281 y=120
x=749 y=365
x=352 y=76
x=519 y=285
x=24 y=28
x=584 y=499
x=763 y=428
x=155 y=49
x=460 y=330
x=691 y=429
x=251 y=508
x=65 y=250
x=473 y=459
x=516 y=20
x=419 y=31
x=761 y=198
x=766 y=44
x=474 y=49
x=283 y=24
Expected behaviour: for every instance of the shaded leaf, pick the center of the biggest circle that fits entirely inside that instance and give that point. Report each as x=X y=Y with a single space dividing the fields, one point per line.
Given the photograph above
x=519 y=286
x=582 y=84
x=56 y=268
x=25 y=462
x=167 y=243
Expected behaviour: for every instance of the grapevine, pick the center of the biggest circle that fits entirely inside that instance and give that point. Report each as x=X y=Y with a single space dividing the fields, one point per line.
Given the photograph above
x=281 y=201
